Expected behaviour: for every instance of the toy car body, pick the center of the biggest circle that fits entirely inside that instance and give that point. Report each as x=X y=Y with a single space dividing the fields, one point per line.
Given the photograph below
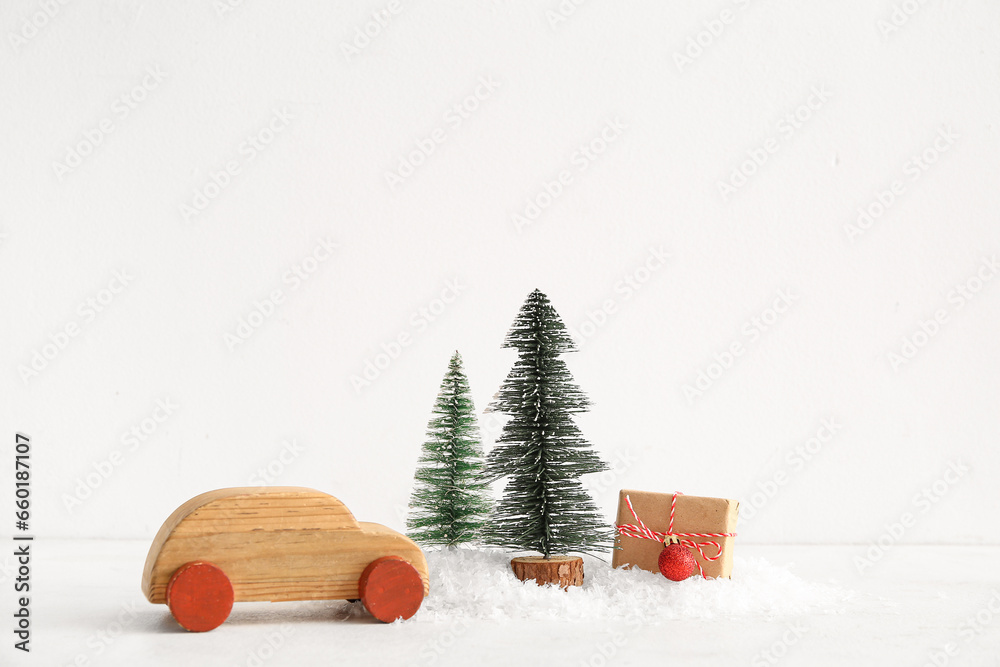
x=278 y=543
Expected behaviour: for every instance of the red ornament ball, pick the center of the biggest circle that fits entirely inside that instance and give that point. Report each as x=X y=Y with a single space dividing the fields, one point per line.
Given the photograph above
x=676 y=562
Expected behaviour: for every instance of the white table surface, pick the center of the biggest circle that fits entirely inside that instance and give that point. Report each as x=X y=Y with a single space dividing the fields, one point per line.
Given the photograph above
x=87 y=610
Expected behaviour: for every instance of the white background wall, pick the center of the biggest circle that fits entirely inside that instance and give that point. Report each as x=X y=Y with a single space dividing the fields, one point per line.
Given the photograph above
x=880 y=100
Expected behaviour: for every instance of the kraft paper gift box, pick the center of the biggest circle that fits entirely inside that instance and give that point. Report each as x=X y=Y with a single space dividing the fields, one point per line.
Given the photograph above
x=692 y=514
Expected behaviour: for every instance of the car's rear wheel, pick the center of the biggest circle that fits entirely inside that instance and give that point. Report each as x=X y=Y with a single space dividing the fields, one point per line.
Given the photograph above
x=200 y=596
x=391 y=589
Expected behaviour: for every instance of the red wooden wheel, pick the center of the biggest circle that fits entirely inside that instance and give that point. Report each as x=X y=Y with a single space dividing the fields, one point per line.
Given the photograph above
x=391 y=588
x=200 y=596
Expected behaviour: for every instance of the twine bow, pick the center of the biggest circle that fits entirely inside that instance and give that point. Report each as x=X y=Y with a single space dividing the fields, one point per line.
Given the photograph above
x=640 y=531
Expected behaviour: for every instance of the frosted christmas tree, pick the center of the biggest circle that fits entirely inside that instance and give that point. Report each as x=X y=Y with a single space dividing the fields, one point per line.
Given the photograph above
x=450 y=498
x=542 y=453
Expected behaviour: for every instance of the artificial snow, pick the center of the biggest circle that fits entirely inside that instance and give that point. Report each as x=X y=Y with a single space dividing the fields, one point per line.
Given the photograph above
x=479 y=584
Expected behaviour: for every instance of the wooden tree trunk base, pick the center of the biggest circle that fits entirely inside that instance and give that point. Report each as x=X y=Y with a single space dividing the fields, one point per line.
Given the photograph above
x=565 y=571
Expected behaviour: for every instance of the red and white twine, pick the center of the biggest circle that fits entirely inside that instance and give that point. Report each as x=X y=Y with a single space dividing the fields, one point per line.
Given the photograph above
x=640 y=531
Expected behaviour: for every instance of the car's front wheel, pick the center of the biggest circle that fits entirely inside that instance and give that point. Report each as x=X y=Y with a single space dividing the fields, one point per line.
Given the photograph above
x=200 y=596
x=391 y=588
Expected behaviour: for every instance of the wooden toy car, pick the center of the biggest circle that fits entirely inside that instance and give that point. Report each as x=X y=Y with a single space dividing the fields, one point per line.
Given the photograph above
x=278 y=543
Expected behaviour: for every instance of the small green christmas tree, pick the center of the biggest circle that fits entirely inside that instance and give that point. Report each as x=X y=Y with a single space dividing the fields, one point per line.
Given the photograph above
x=451 y=497
x=545 y=507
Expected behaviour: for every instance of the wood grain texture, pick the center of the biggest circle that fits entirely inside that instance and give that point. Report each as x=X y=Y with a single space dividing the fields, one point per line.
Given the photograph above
x=277 y=543
x=564 y=571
